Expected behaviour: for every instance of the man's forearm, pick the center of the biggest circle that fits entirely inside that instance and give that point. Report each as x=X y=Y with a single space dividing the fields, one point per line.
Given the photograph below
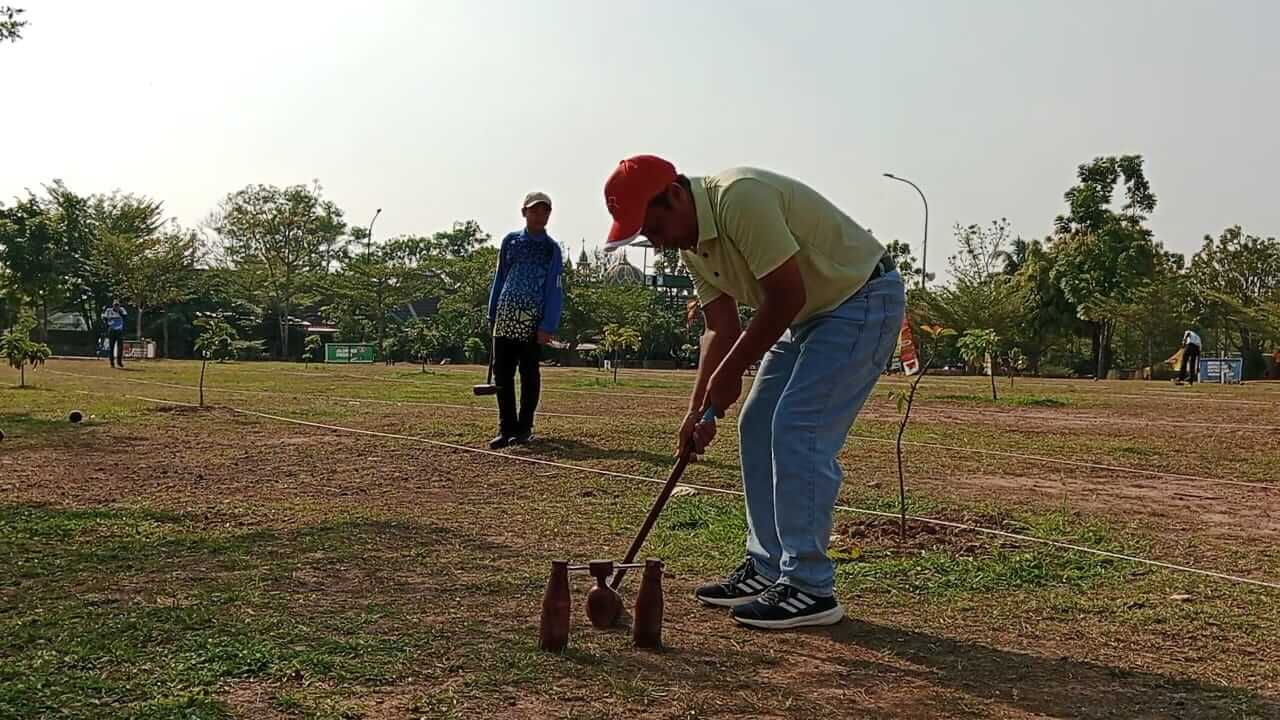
x=768 y=324
x=714 y=347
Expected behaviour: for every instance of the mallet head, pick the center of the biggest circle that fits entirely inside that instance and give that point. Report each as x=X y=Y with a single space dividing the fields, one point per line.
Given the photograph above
x=604 y=605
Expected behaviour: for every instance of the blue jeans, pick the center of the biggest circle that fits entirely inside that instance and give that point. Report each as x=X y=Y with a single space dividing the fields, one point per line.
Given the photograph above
x=810 y=387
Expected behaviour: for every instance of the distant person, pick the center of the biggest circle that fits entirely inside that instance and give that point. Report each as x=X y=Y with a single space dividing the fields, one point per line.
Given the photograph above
x=1190 y=357
x=524 y=314
x=114 y=316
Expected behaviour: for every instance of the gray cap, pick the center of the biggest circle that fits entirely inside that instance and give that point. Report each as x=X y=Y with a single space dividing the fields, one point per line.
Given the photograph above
x=534 y=198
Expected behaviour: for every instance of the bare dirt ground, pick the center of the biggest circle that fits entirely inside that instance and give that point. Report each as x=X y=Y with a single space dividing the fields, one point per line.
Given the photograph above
x=452 y=546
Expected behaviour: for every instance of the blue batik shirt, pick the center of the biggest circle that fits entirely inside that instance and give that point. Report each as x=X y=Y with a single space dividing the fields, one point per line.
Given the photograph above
x=114 y=318
x=526 y=292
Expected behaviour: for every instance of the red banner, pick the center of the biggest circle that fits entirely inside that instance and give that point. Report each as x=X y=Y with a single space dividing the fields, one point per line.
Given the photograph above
x=907 y=349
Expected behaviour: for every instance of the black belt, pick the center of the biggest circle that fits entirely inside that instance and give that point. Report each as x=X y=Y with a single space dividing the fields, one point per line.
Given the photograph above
x=884 y=267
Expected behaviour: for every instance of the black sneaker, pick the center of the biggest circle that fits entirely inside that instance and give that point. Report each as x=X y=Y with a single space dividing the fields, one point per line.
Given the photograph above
x=499 y=442
x=741 y=587
x=522 y=438
x=782 y=606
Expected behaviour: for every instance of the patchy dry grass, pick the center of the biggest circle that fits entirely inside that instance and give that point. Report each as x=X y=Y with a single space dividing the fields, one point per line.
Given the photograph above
x=164 y=562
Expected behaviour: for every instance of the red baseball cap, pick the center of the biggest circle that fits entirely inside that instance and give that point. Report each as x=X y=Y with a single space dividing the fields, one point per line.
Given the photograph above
x=628 y=192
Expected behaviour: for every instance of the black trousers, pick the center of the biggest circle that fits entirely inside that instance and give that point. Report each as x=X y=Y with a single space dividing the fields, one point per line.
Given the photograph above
x=1190 y=363
x=115 y=347
x=508 y=355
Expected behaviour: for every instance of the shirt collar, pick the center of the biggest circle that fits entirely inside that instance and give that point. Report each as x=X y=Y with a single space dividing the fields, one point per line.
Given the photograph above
x=702 y=203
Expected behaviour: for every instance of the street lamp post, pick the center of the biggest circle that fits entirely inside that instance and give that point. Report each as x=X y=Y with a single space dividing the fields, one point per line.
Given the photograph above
x=924 y=250
x=368 y=241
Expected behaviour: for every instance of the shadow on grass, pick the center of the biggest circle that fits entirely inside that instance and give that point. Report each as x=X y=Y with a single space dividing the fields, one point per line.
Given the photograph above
x=23 y=424
x=1046 y=686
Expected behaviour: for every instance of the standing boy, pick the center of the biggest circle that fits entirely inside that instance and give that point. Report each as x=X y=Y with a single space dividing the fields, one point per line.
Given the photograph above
x=524 y=314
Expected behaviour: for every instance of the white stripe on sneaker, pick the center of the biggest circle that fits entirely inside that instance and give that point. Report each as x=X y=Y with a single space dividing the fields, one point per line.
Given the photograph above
x=791 y=605
x=804 y=599
x=756 y=585
x=744 y=587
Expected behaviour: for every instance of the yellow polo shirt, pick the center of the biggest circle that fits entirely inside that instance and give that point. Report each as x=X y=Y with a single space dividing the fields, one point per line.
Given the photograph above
x=750 y=221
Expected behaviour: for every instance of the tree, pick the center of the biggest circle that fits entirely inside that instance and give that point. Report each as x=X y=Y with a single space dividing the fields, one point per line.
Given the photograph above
x=1104 y=254
x=420 y=341
x=1234 y=278
x=1014 y=360
x=311 y=349
x=20 y=351
x=35 y=251
x=1157 y=311
x=1045 y=314
x=475 y=349
x=10 y=24
x=977 y=346
x=215 y=341
x=980 y=296
x=901 y=253
x=933 y=336
x=619 y=339
x=373 y=283
x=276 y=238
x=150 y=263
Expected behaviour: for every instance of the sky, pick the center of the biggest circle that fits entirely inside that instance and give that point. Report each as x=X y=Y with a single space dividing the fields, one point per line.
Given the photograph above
x=439 y=111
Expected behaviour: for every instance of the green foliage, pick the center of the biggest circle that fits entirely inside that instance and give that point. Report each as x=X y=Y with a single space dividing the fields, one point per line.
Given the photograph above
x=1105 y=254
x=619 y=338
x=906 y=260
x=475 y=349
x=18 y=349
x=981 y=295
x=38 y=249
x=138 y=255
x=311 y=348
x=11 y=23
x=979 y=346
x=216 y=339
x=421 y=341
x=278 y=240
x=1235 y=280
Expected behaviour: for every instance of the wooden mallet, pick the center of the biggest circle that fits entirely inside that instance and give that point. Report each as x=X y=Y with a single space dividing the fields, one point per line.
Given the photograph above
x=660 y=502
x=488 y=388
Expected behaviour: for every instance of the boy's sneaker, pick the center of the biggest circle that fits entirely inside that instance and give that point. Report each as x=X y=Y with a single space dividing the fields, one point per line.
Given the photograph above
x=499 y=442
x=741 y=587
x=782 y=606
x=522 y=438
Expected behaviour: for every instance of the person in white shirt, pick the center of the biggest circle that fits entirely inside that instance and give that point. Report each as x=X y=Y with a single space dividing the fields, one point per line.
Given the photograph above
x=1190 y=357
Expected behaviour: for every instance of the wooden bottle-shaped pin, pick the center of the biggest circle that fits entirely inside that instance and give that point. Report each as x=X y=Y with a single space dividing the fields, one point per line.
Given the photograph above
x=646 y=629
x=603 y=604
x=553 y=633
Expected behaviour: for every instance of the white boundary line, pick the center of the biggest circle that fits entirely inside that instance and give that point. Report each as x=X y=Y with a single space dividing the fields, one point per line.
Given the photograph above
x=738 y=493
x=938 y=446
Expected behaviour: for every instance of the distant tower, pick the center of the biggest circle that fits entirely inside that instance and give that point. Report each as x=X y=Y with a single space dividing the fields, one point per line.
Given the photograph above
x=583 y=259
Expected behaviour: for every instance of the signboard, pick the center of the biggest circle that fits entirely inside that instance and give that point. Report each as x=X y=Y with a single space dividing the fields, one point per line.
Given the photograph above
x=348 y=353
x=907 y=349
x=1221 y=370
x=144 y=350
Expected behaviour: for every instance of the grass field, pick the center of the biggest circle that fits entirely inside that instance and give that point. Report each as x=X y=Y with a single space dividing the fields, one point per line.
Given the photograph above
x=165 y=561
